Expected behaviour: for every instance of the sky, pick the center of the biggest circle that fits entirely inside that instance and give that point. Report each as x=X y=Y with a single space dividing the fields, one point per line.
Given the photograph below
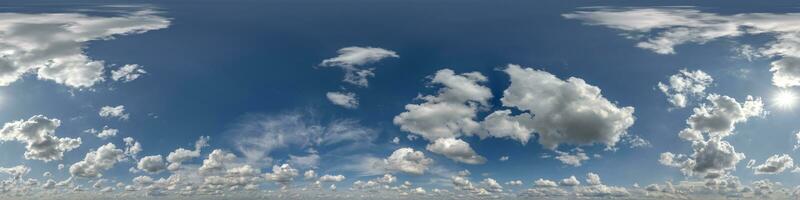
x=357 y=99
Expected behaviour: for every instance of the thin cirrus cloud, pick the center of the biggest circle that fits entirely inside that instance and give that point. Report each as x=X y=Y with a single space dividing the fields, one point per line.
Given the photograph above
x=662 y=29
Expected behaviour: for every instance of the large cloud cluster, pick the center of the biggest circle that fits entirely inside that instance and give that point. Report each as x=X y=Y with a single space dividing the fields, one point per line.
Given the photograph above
x=38 y=133
x=52 y=45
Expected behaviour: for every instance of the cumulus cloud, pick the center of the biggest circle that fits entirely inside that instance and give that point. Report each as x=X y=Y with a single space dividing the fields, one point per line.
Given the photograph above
x=352 y=59
x=97 y=161
x=545 y=183
x=457 y=150
x=16 y=172
x=661 y=29
x=775 y=164
x=51 y=46
x=180 y=155
x=152 y=164
x=685 y=84
x=114 y=112
x=343 y=99
x=408 y=160
x=451 y=112
x=571 y=159
x=719 y=118
x=492 y=185
x=127 y=73
x=216 y=161
x=593 y=179
x=283 y=174
x=332 y=178
x=565 y=112
x=38 y=133
x=571 y=181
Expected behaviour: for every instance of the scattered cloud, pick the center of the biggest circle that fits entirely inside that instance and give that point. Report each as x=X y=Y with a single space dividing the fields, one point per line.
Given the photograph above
x=114 y=112
x=127 y=73
x=352 y=59
x=343 y=99
x=685 y=84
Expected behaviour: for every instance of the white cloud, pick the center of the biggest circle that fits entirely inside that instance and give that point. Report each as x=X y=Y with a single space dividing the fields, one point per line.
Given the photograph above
x=116 y=111
x=256 y=136
x=714 y=156
x=152 y=164
x=571 y=181
x=503 y=158
x=570 y=112
x=514 y=183
x=216 y=161
x=309 y=174
x=685 y=84
x=38 y=133
x=457 y=150
x=16 y=172
x=451 y=112
x=545 y=183
x=718 y=118
x=775 y=164
x=52 y=45
x=309 y=161
x=283 y=174
x=332 y=178
x=593 y=179
x=127 y=73
x=572 y=159
x=344 y=99
x=180 y=155
x=492 y=185
x=105 y=133
x=408 y=160
x=97 y=161
x=661 y=29
x=350 y=59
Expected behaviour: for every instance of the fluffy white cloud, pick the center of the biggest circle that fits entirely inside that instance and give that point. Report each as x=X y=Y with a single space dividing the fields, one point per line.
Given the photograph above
x=16 y=172
x=571 y=181
x=309 y=174
x=283 y=174
x=661 y=29
x=593 y=179
x=350 y=59
x=571 y=159
x=451 y=112
x=216 y=161
x=332 y=178
x=97 y=161
x=565 y=112
x=720 y=117
x=38 y=133
x=408 y=160
x=127 y=73
x=492 y=185
x=177 y=157
x=152 y=164
x=775 y=164
x=344 y=99
x=685 y=84
x=457 y=150
x=52 y=45
x=545 y=183
x=116 y=111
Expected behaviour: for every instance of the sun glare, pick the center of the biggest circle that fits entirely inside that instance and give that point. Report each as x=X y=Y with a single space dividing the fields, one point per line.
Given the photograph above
x=785 y=99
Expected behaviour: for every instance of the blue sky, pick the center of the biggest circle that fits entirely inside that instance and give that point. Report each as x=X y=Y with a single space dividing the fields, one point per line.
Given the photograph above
x=279 y=89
